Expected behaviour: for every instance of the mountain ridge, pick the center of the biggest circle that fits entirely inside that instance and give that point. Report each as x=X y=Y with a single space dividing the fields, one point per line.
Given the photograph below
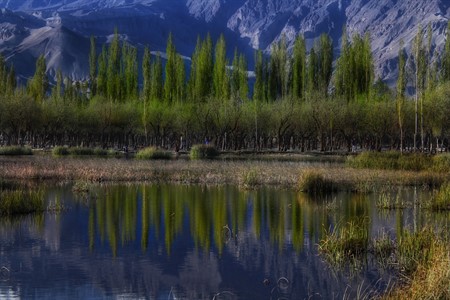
x=247 y=24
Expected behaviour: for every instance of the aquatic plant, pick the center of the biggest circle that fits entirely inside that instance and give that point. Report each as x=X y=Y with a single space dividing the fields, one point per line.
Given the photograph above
x=250 y=179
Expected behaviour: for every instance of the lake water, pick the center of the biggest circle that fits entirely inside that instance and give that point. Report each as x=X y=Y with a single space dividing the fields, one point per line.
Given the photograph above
x=193 y=242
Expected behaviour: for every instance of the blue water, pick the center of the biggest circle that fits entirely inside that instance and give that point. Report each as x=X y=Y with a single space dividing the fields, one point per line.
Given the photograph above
x=188 y=242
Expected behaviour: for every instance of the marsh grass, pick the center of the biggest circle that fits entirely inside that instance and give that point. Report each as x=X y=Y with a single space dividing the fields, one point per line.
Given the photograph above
x=78 y=151
x=202 y=151
x=250 y=179
x=19 y=202
x=153 y=153
x=388 y=201
x=424 y=258
x=345 y=243
x=15 y=151
x=315 y=183
x=441 y=163
x=442 y=199
x=391 y=160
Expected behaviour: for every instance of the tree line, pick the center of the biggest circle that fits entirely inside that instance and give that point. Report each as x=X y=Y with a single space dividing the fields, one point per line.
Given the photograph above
x=297 y=99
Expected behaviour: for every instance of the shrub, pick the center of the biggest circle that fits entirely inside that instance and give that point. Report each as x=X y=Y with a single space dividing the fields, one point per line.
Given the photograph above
x=313 y=182
x=153 y=153
x=15 y=151
x=60 y=151
x=203 y=152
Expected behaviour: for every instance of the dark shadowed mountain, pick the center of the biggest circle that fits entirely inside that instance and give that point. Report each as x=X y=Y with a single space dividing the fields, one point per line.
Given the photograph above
x=61 y=29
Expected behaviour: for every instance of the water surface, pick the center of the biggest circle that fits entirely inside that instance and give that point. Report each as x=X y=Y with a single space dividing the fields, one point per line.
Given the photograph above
x=192 y=242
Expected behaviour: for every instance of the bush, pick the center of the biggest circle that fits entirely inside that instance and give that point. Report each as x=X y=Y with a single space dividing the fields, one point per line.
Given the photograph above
x=153 y=153
x=15 y=151
x=203 y=152
x=315 y=183
x=60 y=151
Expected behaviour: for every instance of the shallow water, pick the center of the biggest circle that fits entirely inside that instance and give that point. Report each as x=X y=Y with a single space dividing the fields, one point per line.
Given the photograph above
x=193 y=242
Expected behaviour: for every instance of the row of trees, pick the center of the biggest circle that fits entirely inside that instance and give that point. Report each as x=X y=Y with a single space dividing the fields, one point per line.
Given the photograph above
x=298 y=101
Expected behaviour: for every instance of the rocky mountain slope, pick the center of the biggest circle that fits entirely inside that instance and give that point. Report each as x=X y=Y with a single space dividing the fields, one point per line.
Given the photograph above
x=61 y=28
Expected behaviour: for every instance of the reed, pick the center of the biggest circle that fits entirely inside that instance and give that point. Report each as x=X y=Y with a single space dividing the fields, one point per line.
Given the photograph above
x=19 y=202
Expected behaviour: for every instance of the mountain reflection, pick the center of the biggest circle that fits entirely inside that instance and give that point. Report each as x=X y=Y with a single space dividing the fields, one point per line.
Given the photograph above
x=187 y=242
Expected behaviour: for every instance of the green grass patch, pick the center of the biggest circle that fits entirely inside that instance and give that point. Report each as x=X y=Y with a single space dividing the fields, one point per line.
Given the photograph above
x=153 y=153
x=315 y=183
x=391 y=160
x=79 y=151
x=19 y=202
x=389 y=201
x=203 y=152
x=15 y=151
x=250 y=179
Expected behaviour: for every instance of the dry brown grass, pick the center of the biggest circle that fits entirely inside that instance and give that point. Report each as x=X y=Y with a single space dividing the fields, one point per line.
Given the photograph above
x=274 y=173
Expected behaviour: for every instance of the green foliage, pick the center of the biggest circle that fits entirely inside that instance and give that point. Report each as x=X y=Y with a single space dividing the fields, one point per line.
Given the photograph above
x=153 y=153
x=202 y=151
x=15 y=151
x=315 y=183
x=299 y=68
x=38 y=85
x=250 y=179
x=19 y=202
x=78 y=151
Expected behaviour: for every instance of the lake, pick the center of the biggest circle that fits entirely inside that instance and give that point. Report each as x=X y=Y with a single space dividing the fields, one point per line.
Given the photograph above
x=195 y=242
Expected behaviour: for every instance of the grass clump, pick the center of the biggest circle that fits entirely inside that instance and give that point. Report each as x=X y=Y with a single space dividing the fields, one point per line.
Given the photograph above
x=391 y=160
x=19 y=202
x=345 y=243
x=441 y=163
x=441 y=201
x=15 y=151
x=203 y=152
x=153 y=153
x=250 y=179
x=387 y=201
x=60 y=151
x=315 y=183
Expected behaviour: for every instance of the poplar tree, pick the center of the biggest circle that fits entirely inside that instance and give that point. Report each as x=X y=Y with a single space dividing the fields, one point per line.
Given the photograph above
x=243 y=78
x=102 y=73
x=446 y=56
x=38 y=85
x=156 y=85
x=312 y=71
x=220 y=80
x=114 y=74
x=235 y=77
x=325 y=62
x=93 y=66
x=146 y=74
x=420 y=70
x=130 y=72
x=180 y=79
x=401 y=88
x=299 y=68
x=170 y=79
x=259 y=93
